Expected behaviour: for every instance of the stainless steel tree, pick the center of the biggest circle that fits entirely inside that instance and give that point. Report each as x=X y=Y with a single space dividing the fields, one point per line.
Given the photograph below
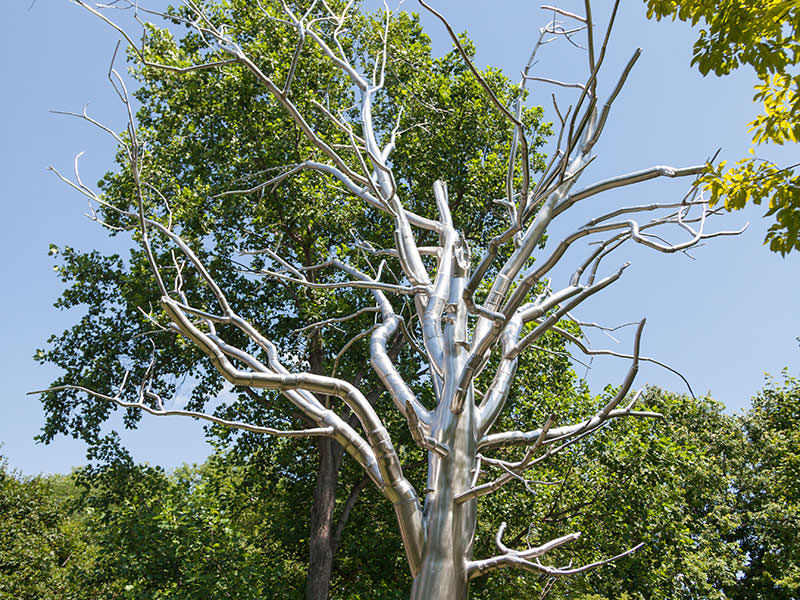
x=467 y=313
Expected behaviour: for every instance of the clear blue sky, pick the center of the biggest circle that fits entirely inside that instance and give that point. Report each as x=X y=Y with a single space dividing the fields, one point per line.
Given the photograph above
x=723 y=319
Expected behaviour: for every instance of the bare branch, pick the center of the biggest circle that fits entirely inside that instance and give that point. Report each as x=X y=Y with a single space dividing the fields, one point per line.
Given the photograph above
x=512 y=470
x=623 y=180
x=116 y=399
x=332 y=320
x=579 y=86
x=482 y=567
x=589 y=352
x=563 y=12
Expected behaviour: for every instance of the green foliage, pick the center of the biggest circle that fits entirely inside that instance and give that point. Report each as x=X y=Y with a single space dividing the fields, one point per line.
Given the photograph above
x=752 y=181
x=714 y=497
x=734 y=33
x=765 y=35
x=668 y=485
x=43 y=546
x=769 y=494
x=200 y=532
x=231 y=527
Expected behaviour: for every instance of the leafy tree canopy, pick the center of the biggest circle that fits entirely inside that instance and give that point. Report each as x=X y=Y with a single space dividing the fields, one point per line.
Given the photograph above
x=229 y=527
x=769 y=494
x=43 y=541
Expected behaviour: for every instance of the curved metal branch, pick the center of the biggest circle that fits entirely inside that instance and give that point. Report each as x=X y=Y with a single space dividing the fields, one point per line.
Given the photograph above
x=116 y=399
x=417 y=417
x=395 y=486
x=551 y=320
x=623 y=180
x=367 y=285
x=482 y=567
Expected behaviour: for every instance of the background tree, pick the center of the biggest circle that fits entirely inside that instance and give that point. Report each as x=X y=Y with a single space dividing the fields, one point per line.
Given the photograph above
x=43 y=543
x=769 y=494
x=456 y=344
x=668 y=483
x=764 y=35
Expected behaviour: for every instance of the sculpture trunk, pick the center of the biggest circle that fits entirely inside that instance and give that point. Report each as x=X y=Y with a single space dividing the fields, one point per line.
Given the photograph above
x=450 y=526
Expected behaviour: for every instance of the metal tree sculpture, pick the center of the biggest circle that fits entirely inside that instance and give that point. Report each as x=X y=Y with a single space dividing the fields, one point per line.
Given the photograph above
x=463 y=311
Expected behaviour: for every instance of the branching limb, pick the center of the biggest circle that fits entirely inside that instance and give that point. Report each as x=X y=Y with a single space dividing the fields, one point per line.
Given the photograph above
x=140 y=53
x=546 y=198
x=432 y=315
x=481 y=352
x=511 y=557
x=478 y=568
x=589 y=352
x=416 y=415
x=367 y=285
x=495 y=398
x=623 y=180
x=606 y=413
x=487 y=331
x=535 y=311
x=377 y=454
x=512 y=469
x=395 y=487
x=333 y=320
x=633 y=231
x=160 y=412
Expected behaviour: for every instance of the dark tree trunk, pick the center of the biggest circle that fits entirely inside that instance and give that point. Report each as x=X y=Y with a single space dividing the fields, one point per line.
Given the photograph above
x=321 y=536
x=321 y=542
x=326 y=533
